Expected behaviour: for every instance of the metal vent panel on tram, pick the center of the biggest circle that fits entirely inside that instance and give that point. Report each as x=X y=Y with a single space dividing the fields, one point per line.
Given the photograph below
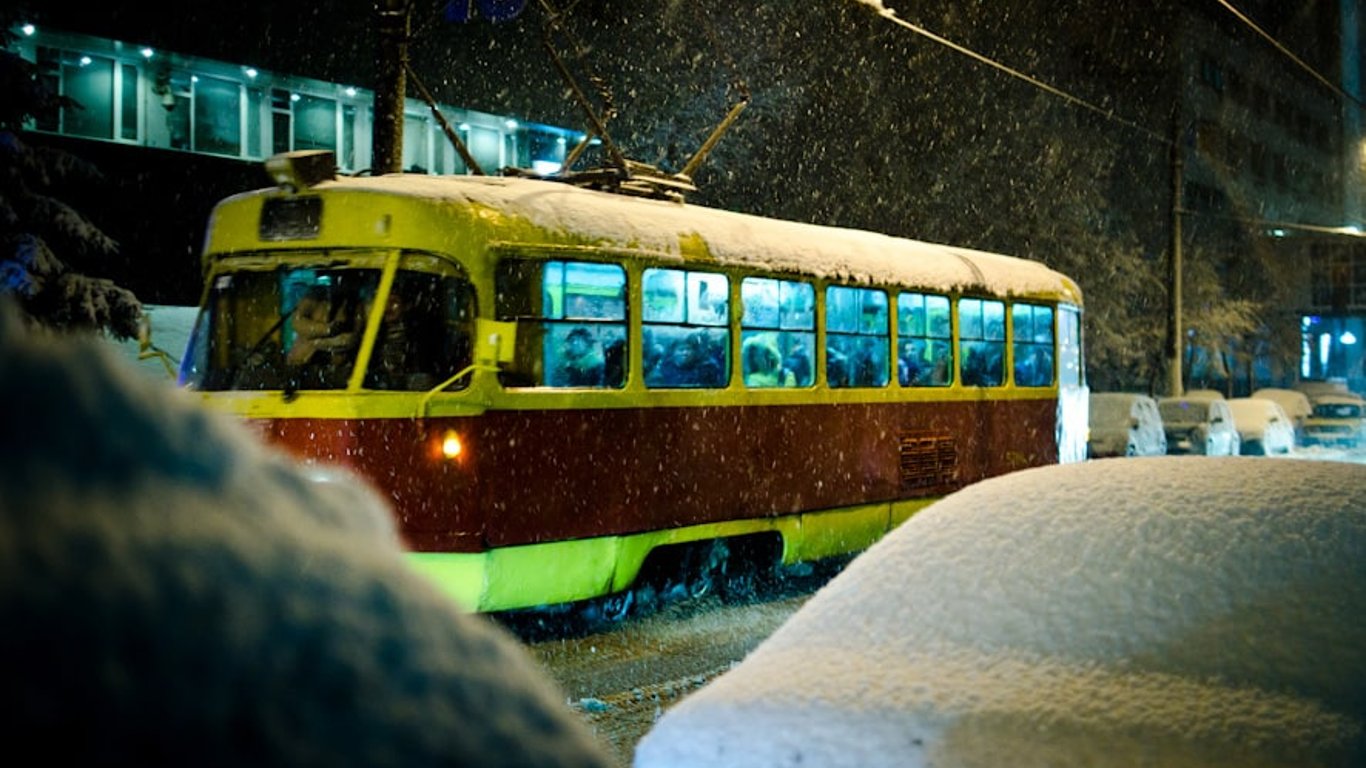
x=929 y=462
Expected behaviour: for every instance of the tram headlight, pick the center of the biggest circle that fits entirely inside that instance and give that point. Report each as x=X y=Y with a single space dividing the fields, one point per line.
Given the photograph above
x=445 y=446
x=451 y=445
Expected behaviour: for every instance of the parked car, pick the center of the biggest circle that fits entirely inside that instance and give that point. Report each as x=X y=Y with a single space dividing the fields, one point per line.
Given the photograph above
x=1125 y=424
x=1336 y=420
x=1198 y=425
x=1263 y=426
x=1295 y=404
x=1170 y=610
x=1316 y=388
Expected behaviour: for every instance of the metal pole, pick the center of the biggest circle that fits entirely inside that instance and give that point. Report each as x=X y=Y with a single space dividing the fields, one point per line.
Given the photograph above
x=451 y=135
x=1175 y=335
x=691 y=167
x=391 y=62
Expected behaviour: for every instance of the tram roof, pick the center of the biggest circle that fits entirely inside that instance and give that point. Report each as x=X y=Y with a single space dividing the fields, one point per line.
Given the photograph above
x=732 y=239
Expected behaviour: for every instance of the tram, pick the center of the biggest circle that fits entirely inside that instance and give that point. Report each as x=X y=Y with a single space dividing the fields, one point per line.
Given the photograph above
x=571 y=395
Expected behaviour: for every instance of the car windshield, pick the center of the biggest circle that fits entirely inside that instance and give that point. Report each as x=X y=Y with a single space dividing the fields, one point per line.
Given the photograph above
x=1251 y=411
x=1338 y=410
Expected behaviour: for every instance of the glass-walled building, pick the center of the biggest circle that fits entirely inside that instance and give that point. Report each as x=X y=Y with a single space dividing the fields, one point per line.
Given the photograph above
x=1334 y=331
x=135 y=95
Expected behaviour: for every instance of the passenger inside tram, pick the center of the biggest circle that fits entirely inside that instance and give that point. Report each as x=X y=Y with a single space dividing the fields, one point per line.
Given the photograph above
x=689 y=362
x=763 y=363
x=581 y=362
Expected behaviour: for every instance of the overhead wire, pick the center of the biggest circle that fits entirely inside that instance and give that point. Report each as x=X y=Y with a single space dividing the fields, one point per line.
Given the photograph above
x=890 y=14
x=1108 y=114
x=1285 y=51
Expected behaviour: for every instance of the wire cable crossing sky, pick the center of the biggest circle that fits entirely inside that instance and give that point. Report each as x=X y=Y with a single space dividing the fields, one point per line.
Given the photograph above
x=1108 y=114
x=1288 y=54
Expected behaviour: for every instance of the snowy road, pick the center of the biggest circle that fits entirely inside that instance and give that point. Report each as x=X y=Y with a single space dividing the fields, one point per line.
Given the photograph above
x=621 y=681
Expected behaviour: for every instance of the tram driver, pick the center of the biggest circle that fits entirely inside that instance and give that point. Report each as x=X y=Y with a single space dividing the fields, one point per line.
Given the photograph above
x=327 y=334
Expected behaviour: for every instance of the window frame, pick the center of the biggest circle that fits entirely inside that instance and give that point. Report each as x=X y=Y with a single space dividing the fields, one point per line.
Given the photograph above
x=791 y=333
x=546 y=323
x=930 y=341
x=863 y=330
x=690 y=331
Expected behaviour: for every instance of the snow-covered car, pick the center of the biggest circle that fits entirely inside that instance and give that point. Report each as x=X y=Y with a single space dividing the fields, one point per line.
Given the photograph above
x=1315 y=388
x=1263 y=426
x=1125 y=424
x=1294 y=402
x=1337 y=420
x=1198 y=425
x=1160 y=611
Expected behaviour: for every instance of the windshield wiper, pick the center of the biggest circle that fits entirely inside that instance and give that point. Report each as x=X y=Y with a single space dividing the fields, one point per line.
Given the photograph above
x=255 y=348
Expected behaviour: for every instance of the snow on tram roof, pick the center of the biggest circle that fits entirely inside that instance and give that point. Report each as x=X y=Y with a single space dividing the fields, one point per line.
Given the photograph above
x=734 y=238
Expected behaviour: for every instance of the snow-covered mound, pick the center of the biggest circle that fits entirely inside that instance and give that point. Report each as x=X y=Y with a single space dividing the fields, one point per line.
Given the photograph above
x=172 y=593
x=1169 y=611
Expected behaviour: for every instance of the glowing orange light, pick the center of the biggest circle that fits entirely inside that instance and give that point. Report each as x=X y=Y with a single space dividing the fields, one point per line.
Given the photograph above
x=451 y=445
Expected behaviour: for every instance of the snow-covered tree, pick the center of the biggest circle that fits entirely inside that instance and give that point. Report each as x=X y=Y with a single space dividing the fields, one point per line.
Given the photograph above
x=46 y=245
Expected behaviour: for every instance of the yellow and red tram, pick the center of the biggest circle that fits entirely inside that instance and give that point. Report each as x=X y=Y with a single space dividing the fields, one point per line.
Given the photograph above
x=566 y=392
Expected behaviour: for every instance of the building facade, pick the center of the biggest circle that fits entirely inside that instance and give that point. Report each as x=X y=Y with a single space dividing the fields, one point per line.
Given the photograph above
x=172 y=134
x=138 y=96
x=1274 y=164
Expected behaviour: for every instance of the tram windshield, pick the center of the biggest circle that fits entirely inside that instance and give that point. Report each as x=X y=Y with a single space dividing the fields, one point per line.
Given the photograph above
x=302 y=328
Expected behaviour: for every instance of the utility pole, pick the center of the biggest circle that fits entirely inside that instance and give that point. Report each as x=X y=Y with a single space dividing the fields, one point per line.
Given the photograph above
x=1175 y=336
x=391 y=62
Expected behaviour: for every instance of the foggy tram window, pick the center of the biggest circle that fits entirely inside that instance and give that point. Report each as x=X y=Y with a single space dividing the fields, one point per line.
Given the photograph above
x=686 y=331
x=571 y=319
x=857 y=337
x=777 y=334
x=924 y=336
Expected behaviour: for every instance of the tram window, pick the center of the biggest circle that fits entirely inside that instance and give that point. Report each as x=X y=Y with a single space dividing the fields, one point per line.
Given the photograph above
x=778 y=332
x=425 y=334
x=686 y=331
x=1032 y=326
x=925 y=357
x=981 y=341
x=571 y=322
x=856 y=340
x=285 y=329
x=682 y=297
